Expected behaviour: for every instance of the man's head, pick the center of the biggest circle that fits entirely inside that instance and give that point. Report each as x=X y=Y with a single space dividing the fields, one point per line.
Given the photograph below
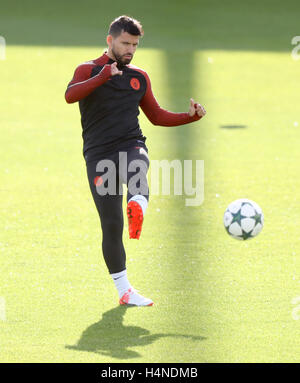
x=123 y=38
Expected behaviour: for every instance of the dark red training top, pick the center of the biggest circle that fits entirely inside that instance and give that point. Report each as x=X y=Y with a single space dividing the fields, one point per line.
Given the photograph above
x=109 y=105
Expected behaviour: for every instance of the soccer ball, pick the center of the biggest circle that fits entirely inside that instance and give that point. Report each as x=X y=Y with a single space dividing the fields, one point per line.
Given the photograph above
x=243 y=219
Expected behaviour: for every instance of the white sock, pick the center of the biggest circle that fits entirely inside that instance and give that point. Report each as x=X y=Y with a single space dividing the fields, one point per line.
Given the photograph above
x=141 y=200
x=121 y=282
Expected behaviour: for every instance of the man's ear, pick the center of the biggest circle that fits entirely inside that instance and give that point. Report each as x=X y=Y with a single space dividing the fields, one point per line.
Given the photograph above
x=109 y=40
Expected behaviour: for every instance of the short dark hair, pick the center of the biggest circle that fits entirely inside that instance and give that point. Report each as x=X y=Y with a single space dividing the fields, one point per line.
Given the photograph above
x=125 y=24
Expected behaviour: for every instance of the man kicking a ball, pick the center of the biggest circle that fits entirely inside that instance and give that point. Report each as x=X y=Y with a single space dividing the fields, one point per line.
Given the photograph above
x=110 y=92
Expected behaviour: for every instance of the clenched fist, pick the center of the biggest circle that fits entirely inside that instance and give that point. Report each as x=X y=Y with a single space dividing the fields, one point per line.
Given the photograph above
x=196 y=108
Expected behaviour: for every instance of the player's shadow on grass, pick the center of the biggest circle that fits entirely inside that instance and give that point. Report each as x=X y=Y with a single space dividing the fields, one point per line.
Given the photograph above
x=111 y=338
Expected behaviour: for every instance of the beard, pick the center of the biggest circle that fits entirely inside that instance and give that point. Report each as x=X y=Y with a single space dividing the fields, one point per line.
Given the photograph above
x=121 y=60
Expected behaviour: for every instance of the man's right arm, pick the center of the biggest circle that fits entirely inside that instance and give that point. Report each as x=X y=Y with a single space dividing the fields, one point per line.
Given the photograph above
x=82 y=84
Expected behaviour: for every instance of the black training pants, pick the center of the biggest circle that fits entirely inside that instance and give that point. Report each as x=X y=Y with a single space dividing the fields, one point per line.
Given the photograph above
x=106 y=178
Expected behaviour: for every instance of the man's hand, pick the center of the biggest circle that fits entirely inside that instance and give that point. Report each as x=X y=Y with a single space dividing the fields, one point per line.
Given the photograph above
x=114 y=70
x=196 y=108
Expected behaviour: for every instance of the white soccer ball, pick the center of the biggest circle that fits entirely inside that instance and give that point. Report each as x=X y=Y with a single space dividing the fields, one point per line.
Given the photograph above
x=243 y=219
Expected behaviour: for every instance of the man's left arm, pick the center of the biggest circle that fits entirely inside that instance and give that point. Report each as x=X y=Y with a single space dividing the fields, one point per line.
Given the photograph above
x=162 y=117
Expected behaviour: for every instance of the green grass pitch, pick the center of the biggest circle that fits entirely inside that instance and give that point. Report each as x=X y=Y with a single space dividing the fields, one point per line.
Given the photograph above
x=216 y=299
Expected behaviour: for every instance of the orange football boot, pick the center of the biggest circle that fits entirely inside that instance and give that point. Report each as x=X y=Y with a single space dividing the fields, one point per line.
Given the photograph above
x=135 y=219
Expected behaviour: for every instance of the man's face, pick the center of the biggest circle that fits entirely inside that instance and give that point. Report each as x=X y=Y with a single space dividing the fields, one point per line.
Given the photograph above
x=123 y=47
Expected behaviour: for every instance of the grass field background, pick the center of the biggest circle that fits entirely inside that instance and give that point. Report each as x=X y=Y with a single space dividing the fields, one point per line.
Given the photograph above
x=216 y=299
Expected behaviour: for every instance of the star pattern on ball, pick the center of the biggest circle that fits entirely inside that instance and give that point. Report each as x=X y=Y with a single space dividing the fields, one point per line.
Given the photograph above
x=257 y=218
x=246 y=235
x=237 y=217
